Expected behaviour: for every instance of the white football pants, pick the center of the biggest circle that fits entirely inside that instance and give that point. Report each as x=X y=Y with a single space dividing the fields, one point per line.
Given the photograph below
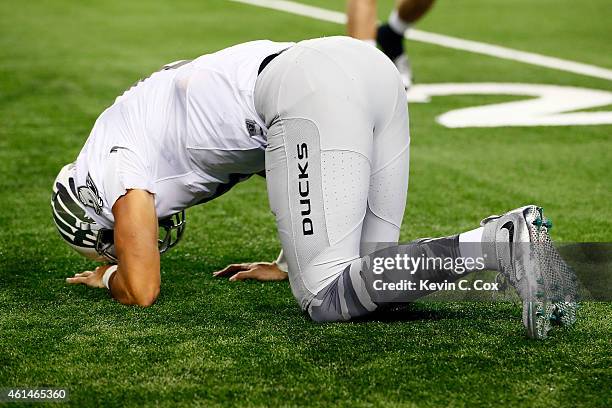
x=336 y=163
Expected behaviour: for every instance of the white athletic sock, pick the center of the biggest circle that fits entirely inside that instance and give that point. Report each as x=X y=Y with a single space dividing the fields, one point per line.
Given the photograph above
x=470 y=243
x=397 y=24
x=370 y=41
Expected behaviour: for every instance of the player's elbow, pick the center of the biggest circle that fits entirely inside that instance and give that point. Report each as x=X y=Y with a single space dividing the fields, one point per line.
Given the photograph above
x=145 y=296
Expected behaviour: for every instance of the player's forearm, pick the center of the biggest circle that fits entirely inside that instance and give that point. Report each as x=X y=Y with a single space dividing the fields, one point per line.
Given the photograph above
x=137 y=279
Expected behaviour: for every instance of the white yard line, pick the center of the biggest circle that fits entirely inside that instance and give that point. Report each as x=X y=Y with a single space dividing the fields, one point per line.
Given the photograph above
x=444 y=40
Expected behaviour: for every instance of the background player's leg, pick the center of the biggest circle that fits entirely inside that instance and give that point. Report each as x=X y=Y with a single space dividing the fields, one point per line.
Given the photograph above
x=410 y=11
x=361 y=20
x=390 y=36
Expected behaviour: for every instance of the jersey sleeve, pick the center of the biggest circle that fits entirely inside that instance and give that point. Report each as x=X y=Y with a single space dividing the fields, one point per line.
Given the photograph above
x=125 y=170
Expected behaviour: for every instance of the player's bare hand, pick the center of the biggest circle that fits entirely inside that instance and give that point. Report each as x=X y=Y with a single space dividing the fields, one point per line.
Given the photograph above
x=261 y=271
x=93 y=279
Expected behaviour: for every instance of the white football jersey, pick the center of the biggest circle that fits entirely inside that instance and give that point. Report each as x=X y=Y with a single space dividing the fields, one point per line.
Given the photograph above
x=187 y=134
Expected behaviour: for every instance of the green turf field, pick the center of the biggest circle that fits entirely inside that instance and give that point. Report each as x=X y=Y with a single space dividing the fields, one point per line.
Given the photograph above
x=209 y=342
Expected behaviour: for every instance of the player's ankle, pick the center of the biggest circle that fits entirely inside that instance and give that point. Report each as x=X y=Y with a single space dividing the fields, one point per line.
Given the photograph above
x=396 y=23
x=390 y=42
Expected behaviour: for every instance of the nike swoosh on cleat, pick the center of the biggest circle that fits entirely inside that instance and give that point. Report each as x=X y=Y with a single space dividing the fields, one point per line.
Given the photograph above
x=509 y=226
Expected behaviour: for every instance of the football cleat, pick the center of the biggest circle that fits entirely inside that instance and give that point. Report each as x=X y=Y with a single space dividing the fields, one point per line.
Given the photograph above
x=402 y=63
x=527 y=259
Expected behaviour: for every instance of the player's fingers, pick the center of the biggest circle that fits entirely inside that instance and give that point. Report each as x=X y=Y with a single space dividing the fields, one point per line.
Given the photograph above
x=250 y=274
x=76 y=280
x=231 y=269
x=228 y=269
x=83 y=274
x=266 y=274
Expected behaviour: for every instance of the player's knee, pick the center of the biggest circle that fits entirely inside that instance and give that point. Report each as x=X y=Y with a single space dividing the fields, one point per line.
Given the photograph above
x=343 y=299
x=326 y=306
x=325 y=315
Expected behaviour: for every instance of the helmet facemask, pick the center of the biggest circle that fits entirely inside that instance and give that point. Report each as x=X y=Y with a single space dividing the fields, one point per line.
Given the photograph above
x=170 y=232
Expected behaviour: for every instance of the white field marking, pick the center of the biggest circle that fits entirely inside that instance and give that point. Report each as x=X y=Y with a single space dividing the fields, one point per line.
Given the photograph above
x=548 y=108
x=444 y=40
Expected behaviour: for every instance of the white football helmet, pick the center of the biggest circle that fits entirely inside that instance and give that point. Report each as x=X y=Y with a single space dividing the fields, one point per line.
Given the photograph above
x=87 y=237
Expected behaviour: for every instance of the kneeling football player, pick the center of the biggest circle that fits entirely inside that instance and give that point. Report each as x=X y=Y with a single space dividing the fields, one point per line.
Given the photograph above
x=327 y=120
